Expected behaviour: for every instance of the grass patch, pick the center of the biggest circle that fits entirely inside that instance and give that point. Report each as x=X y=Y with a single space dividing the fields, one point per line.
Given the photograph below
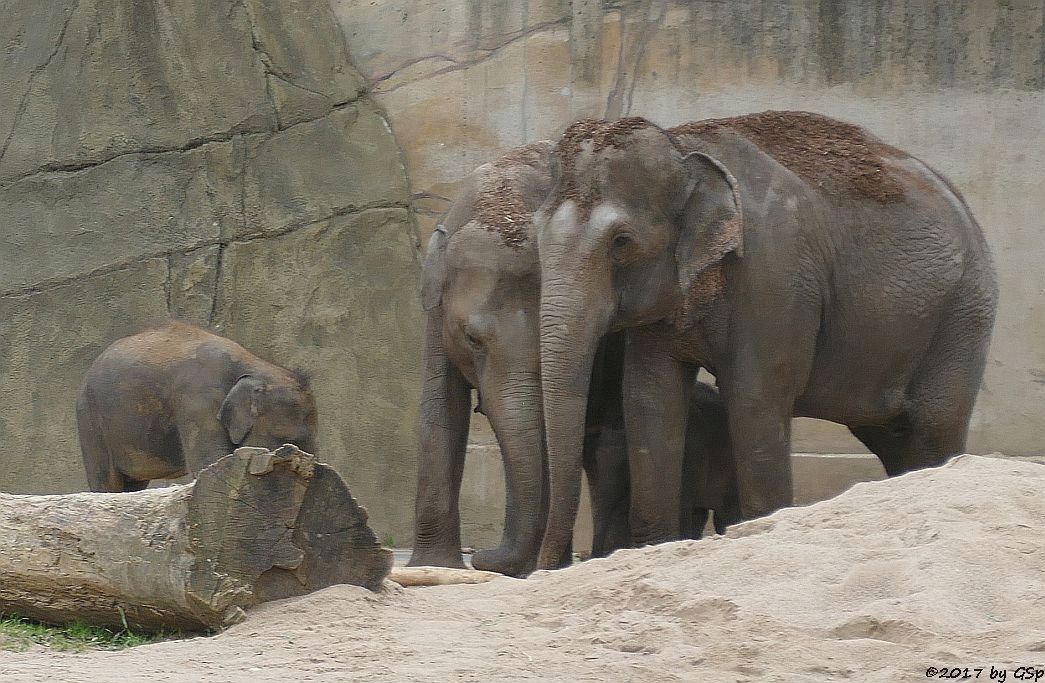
x=19 y=634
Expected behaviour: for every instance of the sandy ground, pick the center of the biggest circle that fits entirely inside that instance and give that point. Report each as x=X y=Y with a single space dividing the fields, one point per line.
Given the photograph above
x=942 y=568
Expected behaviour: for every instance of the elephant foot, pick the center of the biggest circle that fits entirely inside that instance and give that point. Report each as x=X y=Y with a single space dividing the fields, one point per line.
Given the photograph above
x=436 y=557
x=503 y=561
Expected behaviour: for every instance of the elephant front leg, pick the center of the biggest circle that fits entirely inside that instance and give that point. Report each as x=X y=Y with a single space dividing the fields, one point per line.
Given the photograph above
x=445 y=413
x=656 y=397
x=203 y=443
x=760 y=430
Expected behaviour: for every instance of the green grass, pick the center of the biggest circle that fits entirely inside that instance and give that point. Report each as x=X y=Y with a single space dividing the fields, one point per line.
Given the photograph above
x=19 y=634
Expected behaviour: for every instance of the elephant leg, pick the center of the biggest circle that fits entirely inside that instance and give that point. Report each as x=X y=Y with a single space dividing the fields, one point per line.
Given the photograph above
x=693 y=515
x=935 y=422
x=656 y=403
x=445 y=412
x=693 y=522
x=710 y=481
x=606 y=466
x=907 y=445
x=201 y=445
x=102 y=475
x=728 y=513
x=760 y=432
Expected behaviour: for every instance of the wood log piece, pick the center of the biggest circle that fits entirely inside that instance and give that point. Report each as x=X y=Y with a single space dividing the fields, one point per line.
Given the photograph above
x=255 y=526
x=439 y=576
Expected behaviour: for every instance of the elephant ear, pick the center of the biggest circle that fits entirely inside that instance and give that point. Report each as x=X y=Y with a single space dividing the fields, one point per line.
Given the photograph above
x=712 y=224
x=433 y=273
x=239 y=410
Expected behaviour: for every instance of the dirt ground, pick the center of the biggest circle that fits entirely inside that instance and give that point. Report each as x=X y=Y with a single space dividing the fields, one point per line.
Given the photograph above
x=939 y=568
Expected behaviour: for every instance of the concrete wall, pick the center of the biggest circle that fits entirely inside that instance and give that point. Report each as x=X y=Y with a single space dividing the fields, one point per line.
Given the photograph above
x=230 y=162
x=959 y=84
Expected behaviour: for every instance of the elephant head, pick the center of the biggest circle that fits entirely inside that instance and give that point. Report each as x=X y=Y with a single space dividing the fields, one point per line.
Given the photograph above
x=632 y=234
x=480 y=287
x=268 y=408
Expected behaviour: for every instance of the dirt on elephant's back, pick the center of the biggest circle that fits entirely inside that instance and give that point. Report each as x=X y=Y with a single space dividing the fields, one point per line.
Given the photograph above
x=831 y=154
x=500 y=205
x=940 y=567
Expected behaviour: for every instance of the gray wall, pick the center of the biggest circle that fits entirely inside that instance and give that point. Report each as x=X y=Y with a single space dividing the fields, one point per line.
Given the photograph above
x=231 y=162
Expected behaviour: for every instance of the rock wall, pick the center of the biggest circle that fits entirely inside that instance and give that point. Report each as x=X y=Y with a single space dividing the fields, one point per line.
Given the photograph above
x=960 y=85
x=221 y=162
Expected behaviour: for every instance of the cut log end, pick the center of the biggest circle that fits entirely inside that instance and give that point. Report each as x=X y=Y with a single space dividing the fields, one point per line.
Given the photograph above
x=255 y=526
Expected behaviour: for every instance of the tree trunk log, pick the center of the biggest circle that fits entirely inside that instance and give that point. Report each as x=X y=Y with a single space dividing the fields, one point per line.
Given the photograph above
x=255 y=526
x=439 y=576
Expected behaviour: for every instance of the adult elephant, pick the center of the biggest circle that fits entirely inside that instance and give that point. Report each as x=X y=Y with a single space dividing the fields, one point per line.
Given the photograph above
x=481 y=286
x=815 y=270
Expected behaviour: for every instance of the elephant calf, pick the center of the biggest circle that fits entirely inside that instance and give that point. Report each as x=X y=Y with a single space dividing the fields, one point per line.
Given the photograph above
x=175 y=398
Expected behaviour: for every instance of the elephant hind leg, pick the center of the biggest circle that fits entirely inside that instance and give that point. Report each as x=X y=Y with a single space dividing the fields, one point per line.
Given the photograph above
x=915 y=444
x=888 y=443
x=131 y=485
x=102 y=476
x=693 y=521
x=941 y=394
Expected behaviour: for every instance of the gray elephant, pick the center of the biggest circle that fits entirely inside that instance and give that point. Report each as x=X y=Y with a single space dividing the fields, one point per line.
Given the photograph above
x=813 y=269
x=481 y=294
x=174 y=398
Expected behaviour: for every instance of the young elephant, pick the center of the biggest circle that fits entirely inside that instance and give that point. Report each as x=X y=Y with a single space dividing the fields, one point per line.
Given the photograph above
x=480 y=292
x=174 y=398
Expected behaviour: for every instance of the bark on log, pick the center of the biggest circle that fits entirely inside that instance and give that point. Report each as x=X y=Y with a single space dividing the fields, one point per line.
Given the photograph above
x=255 y=526
x=439 y=576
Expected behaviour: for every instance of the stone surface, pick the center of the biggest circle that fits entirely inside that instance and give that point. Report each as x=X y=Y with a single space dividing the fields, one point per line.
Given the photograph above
x=64 y=224
x=88 y=80
x=48 y=340
x=190 y=292
x=287 y=181
x=305 y=83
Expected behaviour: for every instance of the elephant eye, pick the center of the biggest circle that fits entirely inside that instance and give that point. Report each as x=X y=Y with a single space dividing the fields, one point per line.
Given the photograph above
x=473 y=341
x=622 y=244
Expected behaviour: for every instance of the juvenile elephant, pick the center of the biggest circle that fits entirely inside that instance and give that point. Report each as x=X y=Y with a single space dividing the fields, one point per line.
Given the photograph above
x=813 y=269
x=480 y=291
x=174 y=398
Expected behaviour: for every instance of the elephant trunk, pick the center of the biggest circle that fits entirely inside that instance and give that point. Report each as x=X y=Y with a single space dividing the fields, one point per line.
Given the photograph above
x=514 y=410
x=572 y=323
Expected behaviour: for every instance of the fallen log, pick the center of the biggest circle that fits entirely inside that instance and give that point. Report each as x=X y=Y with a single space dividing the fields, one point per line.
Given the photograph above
x=255 y=526
x=439 y=576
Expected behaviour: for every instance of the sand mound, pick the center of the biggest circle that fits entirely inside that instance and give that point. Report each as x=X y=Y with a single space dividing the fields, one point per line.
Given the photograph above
x=941 y=567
